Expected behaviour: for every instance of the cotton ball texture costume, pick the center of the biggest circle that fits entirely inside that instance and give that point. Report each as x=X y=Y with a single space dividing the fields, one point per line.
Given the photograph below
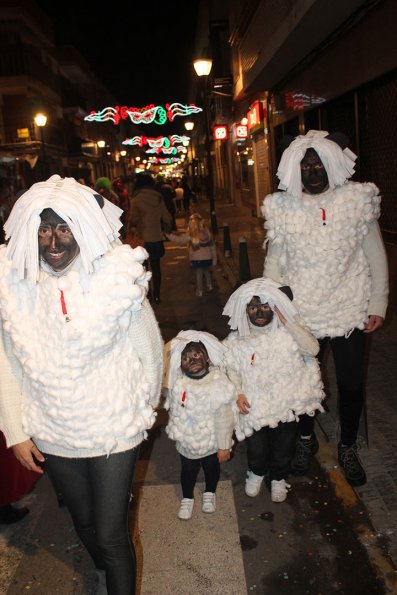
x=88 y=385
x=278 y=381
x=193 y=404
x=320 y=238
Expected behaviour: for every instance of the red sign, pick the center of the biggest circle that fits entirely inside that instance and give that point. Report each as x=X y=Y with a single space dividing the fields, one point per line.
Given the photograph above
x=255 y=115
x=220 y=133
x=241 y=131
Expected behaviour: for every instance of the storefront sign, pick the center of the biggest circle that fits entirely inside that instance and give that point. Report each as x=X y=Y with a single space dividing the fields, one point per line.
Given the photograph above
x=220 y=133
x=241 y=131
x=255 y=116
x=23 y=132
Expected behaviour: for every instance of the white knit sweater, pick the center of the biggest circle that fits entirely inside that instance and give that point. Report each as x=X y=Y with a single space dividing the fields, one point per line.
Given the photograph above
x=279 y=382
x=202 y=414
x=89 y=385
x=319 y=244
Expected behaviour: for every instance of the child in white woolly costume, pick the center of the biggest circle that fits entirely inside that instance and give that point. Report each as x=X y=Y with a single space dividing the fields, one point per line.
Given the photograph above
x=324 y=242
x=270 y=359
x=80 y=356
x=202 y=250
x=202 y=412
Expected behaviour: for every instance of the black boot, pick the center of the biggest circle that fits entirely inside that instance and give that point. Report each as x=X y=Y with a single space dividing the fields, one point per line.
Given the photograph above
x=305 y=451
x=349 y=461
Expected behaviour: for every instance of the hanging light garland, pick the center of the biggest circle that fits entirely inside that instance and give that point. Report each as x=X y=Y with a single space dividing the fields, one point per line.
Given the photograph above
x=150 y=114
x=159 y=141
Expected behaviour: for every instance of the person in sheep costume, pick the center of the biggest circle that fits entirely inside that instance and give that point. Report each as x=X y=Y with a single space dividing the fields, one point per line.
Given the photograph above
x=271 y=361
x=324 y=242
x=80 y=360
x=202 y=412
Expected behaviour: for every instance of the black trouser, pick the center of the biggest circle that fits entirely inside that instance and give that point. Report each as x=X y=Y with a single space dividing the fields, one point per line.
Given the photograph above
x=97 y=493
x=348 y=356
x=156 y=252
x=190 y=469
x=270 y=450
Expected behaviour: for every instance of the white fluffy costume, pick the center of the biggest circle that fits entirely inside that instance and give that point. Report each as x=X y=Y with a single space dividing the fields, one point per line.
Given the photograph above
x=273 y=366
x=81 y=356
x=319 y=244
x=202 y=411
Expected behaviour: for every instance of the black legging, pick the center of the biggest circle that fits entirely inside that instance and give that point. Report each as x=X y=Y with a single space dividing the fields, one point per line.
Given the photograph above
x=349 y=368
x=190 y=469
x=97 y=493
x=155 y=267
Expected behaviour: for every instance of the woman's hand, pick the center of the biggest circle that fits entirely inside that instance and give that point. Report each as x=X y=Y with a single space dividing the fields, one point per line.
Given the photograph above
x=24 y=452
x=243 y=404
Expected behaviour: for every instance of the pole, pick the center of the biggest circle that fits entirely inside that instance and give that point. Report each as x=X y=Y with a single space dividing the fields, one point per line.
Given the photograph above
x=43 y=155
x=210 y=178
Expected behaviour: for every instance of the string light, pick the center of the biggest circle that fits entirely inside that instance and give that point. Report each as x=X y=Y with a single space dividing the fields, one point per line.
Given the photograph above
x=159 y=141
x=150 y=114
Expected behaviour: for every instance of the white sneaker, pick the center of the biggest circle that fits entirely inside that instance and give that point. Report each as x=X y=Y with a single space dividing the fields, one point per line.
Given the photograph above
x=186 y=509
x=210 y=288
x=199 y=293
x=253 y=484
x=279 y=490
x=209 y=502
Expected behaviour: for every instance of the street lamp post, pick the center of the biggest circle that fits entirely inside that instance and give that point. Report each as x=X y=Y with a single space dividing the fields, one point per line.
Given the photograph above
x=41 y=121
x=203 y=68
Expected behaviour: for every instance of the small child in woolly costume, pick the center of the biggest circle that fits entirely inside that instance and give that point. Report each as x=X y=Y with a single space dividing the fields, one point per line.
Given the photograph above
x=202 y=413
x=202 y=251
x=271 y=361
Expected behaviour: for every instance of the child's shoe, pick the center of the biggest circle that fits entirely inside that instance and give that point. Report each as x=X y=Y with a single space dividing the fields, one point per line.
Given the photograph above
x=209 y=502
x=186 y=509
x=279 y=490
x=253 y=484
x=199 y=293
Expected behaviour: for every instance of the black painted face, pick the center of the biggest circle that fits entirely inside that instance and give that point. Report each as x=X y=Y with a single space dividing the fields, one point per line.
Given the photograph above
x=314 y=175
x=259 y=314
x=194 y=360
x=57 y=245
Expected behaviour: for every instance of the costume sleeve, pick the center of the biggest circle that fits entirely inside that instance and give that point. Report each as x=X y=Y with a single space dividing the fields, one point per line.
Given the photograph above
x=235 y=380
x=224 y=424
x=148 y=343
x=10 y=393
x=375 y=253
x=272 y=268
x=307 y=343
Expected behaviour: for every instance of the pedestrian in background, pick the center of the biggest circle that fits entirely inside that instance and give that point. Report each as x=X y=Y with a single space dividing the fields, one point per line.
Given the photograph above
x=80 y=361
x=325 y=242
x=151 y=219
x=201 y=405
x=271 y=361
x=202 y=250
x=103 y=186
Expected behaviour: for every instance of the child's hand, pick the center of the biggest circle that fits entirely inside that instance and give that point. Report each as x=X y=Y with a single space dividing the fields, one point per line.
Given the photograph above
x=223 y=455
x=281 y=317
x=243 y=404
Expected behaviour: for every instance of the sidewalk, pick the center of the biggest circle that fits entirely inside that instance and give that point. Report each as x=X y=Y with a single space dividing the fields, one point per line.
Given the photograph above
x=379 y=456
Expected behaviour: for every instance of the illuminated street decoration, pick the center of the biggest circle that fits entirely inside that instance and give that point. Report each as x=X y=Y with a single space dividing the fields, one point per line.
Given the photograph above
x=150 y=114
x=159 y=141
x=166 y=150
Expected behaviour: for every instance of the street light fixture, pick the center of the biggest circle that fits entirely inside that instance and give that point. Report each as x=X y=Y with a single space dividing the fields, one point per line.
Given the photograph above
x=203 y=67
x=40 y=121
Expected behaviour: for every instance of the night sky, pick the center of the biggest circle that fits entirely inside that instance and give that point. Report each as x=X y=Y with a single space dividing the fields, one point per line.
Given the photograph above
x=141 y=50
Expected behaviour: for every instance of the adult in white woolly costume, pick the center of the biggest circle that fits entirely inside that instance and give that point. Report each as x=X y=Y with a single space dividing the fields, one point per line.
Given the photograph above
x=80 y=360
x=324 y=242
x=271 y=361
x=202 y=412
